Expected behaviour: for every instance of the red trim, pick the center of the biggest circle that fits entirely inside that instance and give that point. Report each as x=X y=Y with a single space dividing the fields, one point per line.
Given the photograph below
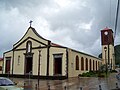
x=106 y=28
x=1 y=59
x=53 y=44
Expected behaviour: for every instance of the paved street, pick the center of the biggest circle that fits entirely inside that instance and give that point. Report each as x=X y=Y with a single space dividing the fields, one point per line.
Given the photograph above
x=83 y=83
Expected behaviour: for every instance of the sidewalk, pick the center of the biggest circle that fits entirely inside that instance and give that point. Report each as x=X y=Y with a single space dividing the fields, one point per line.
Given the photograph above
x=83 y=83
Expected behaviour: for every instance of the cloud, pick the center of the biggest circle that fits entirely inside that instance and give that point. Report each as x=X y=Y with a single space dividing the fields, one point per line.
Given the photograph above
x=72 y=23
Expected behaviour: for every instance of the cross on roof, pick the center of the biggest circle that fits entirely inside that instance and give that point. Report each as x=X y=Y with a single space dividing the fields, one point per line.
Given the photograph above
x=30 y=22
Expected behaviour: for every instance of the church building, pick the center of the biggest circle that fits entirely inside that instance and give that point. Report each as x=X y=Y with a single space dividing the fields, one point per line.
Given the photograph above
x=36 y=56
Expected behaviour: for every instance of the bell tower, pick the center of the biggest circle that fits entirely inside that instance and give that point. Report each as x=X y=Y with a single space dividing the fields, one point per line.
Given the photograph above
x=107 y=42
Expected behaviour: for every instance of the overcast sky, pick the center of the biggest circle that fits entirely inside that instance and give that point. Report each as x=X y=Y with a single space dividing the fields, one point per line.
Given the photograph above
x=72 y=23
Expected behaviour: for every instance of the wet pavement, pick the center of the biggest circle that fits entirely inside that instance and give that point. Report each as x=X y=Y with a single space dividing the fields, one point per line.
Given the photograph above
x=82 y=83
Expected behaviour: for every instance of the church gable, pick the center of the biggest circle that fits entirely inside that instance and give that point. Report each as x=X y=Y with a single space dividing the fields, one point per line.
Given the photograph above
x=35 y=44
x=32 y=35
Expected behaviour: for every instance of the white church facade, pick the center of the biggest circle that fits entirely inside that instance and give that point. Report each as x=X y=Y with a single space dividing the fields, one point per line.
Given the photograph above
x=34 y=55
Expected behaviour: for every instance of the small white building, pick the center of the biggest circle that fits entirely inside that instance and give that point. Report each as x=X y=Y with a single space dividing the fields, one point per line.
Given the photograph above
x=34 y=55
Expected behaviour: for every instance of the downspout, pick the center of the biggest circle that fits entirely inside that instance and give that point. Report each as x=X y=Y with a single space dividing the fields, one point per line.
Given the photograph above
x=3 y=68
x=13 y=62
x=67 y=62
x=48 y=52
x=108 y=55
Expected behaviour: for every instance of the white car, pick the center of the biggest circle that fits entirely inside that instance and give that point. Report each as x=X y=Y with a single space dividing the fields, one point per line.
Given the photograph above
x=7 y=84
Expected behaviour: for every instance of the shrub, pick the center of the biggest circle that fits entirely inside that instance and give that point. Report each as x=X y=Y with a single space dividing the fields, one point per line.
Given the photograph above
x=88 y=74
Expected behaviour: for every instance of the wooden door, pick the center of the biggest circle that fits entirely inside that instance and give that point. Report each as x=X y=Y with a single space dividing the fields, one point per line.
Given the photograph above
x=7 y=70
x=58 y=66
x=28 y=65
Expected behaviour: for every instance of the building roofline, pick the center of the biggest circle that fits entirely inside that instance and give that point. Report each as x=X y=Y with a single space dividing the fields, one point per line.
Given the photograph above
x=8 y=51
x=85 y=54
x=53 y=44
x=59 y=46
x=107 y=29
x=27 y=32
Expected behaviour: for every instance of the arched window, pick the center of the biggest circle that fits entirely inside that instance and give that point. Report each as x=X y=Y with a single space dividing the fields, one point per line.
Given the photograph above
x=82 y=63
x=90 y=65
x=96 y=66
x=77 y=63
x=86 y=64
x=99 y=65
x=93 y=65
x=29 y=47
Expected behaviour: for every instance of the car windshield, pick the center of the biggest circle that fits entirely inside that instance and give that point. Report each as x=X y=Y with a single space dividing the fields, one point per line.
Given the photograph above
x=6 y=82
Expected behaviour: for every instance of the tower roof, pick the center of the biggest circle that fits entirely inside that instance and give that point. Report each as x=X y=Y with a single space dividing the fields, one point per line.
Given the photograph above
x=107 y=29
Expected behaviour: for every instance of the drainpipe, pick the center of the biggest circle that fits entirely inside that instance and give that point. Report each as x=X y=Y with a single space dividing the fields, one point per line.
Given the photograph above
x=67 y=62
x=13 y=62
x=48 y=52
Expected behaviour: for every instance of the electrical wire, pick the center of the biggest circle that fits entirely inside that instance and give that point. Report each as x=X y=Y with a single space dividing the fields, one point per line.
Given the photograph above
x=116 y=20
x=110 y=15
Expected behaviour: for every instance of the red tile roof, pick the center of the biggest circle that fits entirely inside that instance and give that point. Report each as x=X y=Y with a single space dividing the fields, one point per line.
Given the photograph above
x=53 y=44
x=1 y=59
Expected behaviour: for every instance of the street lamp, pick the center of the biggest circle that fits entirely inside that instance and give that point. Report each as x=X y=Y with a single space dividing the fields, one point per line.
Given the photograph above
x=105 y=48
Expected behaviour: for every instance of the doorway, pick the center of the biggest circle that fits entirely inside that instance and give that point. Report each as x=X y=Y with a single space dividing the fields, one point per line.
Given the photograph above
x=7 y=68
x=28 y=65
x=58 y=66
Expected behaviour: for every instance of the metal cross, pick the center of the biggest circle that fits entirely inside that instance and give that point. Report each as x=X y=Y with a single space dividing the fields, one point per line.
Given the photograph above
x=30 y=22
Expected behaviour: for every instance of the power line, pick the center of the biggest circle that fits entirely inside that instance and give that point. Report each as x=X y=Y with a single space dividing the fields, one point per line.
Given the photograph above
x=116 y=20
x=110 y=15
